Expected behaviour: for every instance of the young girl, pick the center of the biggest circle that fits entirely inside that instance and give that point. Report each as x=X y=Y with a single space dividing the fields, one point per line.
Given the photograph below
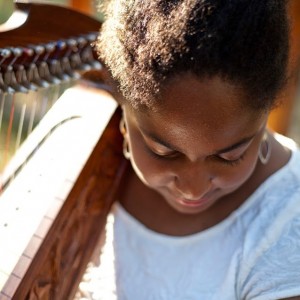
x=211 y=206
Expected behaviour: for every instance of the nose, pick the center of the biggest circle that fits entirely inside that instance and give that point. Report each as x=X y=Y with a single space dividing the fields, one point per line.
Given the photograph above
x=193 y=182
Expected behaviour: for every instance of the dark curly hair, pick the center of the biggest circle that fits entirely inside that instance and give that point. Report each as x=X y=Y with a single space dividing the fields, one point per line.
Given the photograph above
x=146 y=43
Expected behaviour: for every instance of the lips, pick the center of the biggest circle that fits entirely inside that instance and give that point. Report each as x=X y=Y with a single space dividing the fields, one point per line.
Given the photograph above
x=192 y=203
x=182 y=204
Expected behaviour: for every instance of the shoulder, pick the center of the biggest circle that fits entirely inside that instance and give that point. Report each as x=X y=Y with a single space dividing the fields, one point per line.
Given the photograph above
x=270 y=264
x=270 y=255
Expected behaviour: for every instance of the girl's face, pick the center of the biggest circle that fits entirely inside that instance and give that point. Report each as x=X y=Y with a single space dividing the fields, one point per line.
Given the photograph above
x=199 y=144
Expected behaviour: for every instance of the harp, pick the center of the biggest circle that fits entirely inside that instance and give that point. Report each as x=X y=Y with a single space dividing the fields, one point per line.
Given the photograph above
x=58 y=187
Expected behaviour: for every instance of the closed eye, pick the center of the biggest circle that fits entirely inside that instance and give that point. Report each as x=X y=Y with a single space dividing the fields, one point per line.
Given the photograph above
x=235 y=156
x=231 y=157
x=163 y=154
x=232 y=161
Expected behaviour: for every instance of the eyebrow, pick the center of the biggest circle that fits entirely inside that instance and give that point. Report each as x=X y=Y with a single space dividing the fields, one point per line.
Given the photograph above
x=232 y=147
x=157 y=140
x=236 y=145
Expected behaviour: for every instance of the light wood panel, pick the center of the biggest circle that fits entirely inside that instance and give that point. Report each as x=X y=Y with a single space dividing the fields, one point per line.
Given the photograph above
x=60 y=199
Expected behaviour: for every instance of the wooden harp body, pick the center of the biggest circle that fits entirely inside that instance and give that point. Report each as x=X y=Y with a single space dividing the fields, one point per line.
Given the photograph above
x=58 y=187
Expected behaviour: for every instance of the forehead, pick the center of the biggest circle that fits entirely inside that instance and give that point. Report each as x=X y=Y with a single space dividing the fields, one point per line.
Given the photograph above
x=190 y=108
x=208 y=97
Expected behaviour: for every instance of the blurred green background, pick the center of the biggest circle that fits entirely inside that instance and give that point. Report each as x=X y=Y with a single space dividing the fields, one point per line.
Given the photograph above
x=6 y=7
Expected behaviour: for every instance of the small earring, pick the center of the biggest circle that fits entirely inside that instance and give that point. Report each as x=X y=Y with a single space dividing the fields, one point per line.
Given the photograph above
x=123 y=130
x=122 y=126
x=126 y=151
x=264 y=158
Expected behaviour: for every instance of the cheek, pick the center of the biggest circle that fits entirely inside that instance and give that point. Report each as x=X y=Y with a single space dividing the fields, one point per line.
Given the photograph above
x=150 y=170
x=234 y=177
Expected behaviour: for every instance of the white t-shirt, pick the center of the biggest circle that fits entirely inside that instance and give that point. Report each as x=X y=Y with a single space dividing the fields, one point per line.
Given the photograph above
x=252 y=254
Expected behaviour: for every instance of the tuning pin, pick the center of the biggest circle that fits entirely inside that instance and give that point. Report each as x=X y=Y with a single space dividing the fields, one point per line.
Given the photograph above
x=92 y=37
x=66 y=60
x=9 y=56
x=6 y=89
x=32 y=70
x=53 y=59
x=43 y=65
x=38 y=51
x=59 y=47
x=4 y=55
x=50 y=48
x=9 y=76
x=75 y=59
x=89 y=55
x=20 y=67
x=87 y=58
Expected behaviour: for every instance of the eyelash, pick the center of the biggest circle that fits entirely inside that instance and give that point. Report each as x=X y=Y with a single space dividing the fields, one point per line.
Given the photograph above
x=232 y=163
x=160 y=156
